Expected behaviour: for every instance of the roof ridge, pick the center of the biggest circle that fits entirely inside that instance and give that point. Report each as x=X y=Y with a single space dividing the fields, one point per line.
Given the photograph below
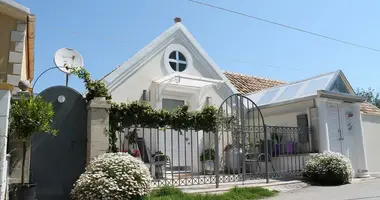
x=251 y=76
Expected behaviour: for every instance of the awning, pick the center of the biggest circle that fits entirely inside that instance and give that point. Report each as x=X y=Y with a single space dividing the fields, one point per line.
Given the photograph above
x=184 y=81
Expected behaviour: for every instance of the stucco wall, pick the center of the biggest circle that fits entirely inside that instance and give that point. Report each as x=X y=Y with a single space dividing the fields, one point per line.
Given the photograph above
x=154 y=69
x=371 y=130
x=8 y=24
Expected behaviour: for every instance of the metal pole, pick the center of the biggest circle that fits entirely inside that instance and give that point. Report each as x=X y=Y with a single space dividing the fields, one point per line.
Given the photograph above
x=216 y=168
x=266 y=153
x=242 y=124
x=67 y=80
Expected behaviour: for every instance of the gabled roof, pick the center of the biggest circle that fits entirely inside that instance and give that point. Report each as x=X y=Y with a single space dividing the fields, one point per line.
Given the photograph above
x=121 y=73
x=253 y=85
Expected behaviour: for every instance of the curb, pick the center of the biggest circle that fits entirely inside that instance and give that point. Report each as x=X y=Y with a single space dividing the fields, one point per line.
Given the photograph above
x=279 y=186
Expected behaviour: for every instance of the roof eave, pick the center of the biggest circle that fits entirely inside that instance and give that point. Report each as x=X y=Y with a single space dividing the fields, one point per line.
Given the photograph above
x=341 y=96
x=281 y=103
x=14 y=9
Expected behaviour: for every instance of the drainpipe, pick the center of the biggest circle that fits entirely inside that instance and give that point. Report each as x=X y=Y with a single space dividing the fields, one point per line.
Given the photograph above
x=30 y=32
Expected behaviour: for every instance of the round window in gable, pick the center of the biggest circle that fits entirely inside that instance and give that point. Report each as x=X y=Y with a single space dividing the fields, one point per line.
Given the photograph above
x=177 y=61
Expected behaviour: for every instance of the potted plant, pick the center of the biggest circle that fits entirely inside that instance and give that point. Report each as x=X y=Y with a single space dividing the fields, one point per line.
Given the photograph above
x=160 y=159
x=278 y=145
x=234 y=158
x=208 y=160
x=28 y=116
x=261 y=145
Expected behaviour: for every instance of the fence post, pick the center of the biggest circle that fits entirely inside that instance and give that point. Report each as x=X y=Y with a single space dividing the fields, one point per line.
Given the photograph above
x=97 y=125
x=5 y=98
x=266 y=153
x=217 y=159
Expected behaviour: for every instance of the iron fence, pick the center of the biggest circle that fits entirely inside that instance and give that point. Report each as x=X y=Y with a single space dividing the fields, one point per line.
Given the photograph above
x=189 y=157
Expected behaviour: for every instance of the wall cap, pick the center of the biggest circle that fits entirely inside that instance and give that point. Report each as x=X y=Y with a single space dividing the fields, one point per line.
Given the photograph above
x=99 y=102
x=6 y=86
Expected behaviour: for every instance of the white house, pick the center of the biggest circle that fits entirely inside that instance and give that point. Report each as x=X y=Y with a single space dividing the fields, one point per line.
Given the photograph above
x=174 y=70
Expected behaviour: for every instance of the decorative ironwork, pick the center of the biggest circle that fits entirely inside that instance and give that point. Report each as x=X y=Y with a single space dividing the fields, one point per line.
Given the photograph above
x=245 y=149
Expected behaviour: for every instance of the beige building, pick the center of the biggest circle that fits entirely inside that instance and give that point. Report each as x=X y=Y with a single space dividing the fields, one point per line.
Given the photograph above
x=16 y=43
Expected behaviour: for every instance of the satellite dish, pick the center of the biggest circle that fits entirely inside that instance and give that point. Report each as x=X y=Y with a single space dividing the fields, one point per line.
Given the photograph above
x=67 y=58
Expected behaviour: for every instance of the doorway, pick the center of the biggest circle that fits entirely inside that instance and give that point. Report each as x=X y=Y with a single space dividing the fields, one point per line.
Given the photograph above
x=334 y=128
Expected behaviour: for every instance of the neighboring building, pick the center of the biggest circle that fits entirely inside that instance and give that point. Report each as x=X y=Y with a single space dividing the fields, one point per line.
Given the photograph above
x=174 y=70
x=17 y=43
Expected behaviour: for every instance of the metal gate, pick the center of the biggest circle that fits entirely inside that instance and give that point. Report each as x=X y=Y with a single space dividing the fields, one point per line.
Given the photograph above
x=57 y=162
x=241 y=150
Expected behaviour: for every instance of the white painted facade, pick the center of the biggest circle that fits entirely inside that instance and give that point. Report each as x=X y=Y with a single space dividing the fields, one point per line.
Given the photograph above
x=336 y=125
x=340 y=130
x=201 y=83
x=371 y=130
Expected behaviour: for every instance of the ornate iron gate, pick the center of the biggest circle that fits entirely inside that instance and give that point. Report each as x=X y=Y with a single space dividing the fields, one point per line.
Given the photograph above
x=57 y=162
x=241 y=150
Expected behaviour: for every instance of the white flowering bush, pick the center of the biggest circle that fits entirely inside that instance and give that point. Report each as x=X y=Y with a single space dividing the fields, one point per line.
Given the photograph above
x=329 y=168
x=113 y=176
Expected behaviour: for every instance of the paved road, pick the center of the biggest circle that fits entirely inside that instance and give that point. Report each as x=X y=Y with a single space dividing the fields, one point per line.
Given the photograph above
x=368 y=190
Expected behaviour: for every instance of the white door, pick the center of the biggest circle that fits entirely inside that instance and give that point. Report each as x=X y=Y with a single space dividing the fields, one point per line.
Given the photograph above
x=334 y=129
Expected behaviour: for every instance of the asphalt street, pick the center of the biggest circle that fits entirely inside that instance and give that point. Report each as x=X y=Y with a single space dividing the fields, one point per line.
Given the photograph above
x=367 y=190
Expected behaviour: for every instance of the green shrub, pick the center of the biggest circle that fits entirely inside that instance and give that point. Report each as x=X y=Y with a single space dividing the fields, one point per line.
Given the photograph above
x=329 y=168
x=113 y=176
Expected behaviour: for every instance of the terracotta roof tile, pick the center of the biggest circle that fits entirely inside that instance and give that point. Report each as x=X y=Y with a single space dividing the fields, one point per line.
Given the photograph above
x=368 y=108
x=247 y=84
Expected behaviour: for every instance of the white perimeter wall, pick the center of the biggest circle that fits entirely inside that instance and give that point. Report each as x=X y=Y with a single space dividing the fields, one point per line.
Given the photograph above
x=371 y=130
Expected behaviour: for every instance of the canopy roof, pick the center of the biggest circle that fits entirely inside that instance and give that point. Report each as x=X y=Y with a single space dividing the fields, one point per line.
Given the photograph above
x=333 y=82
x=186 y=80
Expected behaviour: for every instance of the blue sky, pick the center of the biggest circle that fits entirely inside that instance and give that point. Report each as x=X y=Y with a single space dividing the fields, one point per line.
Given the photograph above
x=107 y=33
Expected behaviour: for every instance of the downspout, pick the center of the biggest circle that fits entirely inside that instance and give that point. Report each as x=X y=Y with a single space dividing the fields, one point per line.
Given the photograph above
x=30 y=47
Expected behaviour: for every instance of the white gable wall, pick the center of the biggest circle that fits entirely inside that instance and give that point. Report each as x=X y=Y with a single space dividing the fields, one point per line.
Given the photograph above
x=155 y=68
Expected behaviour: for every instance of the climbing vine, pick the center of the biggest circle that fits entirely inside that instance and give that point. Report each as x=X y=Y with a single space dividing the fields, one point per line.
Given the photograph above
x=95 y=88
x=140 y=113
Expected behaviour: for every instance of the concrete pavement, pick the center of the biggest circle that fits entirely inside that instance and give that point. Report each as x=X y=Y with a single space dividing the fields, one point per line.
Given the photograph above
x=366 y=190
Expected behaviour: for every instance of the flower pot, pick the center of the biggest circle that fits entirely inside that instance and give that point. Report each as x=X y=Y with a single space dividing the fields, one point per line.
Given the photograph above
x=159 y=171
x=234 y=160
x=291 y=148
x=279 y=150
x=20 y=191
x=208 y=167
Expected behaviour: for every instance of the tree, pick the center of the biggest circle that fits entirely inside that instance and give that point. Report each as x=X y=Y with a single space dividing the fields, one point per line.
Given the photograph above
x=30 y=116
x=371 y=96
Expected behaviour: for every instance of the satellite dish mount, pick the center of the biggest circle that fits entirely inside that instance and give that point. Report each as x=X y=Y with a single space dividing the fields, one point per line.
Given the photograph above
x=66 y=59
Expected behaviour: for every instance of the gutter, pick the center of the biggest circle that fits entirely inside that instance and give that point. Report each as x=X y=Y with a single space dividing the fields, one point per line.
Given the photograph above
x=288 y=102
x=321 y=94
x=340 y=96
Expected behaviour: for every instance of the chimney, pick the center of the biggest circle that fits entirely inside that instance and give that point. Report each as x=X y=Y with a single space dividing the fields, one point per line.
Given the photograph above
x=177 y=19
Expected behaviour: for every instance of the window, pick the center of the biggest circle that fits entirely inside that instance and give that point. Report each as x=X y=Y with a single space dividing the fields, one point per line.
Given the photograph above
x=339 y=86
x=177 y=61
x=267 y=97
x=290 y=92
x=171 y=104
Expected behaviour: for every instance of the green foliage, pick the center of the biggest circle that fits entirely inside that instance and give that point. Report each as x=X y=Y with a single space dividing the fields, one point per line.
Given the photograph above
x=141 y=114
x=29 y=116
x=329 y=168
x=248 y=193
x=95 y=88
x=208 y=154
x=370 y=95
